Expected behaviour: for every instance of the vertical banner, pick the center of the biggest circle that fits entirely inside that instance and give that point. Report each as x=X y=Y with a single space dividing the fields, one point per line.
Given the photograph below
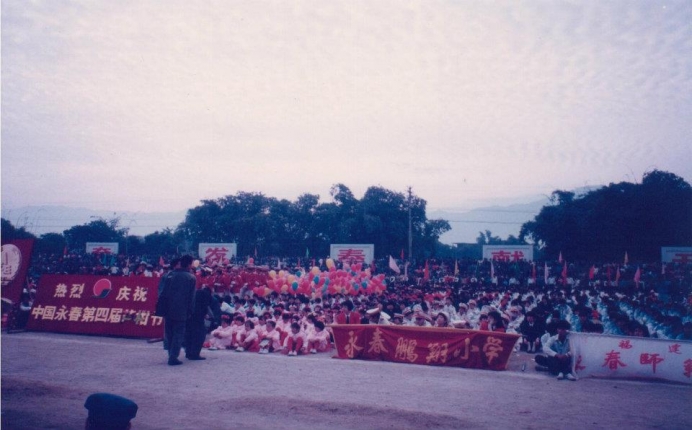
x=114 y=306
x=425 y=345
x=352 y=253
x=217 y=253
x=508 y=252
x=607 y=356
x=16 y=258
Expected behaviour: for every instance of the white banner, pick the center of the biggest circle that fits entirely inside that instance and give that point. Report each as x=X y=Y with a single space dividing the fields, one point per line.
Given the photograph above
x=676 y=254
x=349 y=253
x=607 y=356
x=102 y=248
x=211 y=253
x=508 y=252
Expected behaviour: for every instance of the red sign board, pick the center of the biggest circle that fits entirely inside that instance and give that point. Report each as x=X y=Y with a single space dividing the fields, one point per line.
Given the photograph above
x=114 y=306
x=425 y=345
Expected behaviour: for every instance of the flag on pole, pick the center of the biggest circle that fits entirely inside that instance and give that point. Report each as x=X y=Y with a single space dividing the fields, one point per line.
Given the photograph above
x=592 y=272
x=393 y=265
x=627 y=260
x=637 y=276
x=559 y=258
x=456 y=267
x=564 y=270
x=546 y=272
x=426 y=272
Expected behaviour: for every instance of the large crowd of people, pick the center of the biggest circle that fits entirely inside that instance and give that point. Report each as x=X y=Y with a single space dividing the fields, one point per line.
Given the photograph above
x=530 y=299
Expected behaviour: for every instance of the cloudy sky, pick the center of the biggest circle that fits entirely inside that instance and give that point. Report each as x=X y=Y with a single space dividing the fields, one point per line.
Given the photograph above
x=153 y=105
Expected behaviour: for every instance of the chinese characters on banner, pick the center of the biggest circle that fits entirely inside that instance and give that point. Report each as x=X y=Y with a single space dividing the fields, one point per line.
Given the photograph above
x=352 y=254
x=102 y=248
x=114 y=306
x=631 y=357
x=508 y=253
x=219 y=253
x=425 y=345
x=681 y=255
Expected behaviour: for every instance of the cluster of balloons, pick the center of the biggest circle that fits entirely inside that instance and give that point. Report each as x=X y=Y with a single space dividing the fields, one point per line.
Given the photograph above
x=352 y=279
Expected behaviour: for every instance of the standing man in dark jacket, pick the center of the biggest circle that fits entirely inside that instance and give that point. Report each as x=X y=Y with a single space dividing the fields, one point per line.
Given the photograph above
x=196 y=330
x=178 y=294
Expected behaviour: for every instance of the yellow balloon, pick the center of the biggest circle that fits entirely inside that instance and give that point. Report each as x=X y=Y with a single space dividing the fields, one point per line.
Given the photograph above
x=284 y=288
x=330 y=263
x=315 y=270
x=282 y=273
x=291 y=278
x=272 y=274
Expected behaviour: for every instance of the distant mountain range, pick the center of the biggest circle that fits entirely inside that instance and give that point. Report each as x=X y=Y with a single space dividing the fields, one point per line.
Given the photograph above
x=56 y=219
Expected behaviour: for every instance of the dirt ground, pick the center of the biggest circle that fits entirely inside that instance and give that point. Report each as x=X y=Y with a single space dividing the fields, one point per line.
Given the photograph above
x=46 y=378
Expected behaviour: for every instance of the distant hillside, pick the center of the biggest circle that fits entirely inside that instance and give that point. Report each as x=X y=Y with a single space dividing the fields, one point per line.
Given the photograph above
x=56 y=219
x=500 y=220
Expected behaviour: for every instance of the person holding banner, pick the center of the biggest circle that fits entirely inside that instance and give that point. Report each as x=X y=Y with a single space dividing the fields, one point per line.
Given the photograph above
x=178 y=296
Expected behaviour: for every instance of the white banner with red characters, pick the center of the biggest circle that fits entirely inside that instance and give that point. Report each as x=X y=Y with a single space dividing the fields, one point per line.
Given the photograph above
x=508 y=252
x=102 y=248
x=676 y=254
x=352 y=254
x=219 y=253
x=607 y=356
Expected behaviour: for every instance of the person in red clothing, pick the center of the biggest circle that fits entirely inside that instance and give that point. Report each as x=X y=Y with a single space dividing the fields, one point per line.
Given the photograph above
x=495 y=322
x=347 y=314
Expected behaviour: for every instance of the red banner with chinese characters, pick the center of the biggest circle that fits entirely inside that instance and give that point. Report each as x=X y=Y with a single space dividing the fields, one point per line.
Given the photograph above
x=425 y=345
x=114 y=306
x=16 y=256
x=606 y=356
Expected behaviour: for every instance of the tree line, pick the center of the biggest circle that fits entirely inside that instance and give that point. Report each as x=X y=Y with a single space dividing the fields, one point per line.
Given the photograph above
x=603 y=224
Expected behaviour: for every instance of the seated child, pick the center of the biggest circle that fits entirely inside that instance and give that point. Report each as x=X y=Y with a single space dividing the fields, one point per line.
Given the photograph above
x=318 y=341
x=271 y=340
x=295 y=341
x=248 y=339
x=222 y=336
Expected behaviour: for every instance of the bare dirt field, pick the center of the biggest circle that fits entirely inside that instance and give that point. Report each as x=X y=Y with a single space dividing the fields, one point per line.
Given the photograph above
x=46 y=378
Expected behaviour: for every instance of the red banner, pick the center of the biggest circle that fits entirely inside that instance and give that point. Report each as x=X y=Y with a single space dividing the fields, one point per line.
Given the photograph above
x=16 y=256
x=425 y=345
x=115 y=306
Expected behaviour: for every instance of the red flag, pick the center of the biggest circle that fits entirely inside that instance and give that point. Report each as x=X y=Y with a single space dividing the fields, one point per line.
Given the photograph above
x=592 y=272
x=637 y=276
x=617 y=275
x=564 y=271
x=426 y=272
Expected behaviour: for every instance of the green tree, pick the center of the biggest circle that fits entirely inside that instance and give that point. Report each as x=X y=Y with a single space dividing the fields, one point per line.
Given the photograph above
x=10 y=232
x=95 y=231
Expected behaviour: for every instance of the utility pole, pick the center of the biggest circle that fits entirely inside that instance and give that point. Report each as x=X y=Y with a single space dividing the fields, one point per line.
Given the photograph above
x=410 y=226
